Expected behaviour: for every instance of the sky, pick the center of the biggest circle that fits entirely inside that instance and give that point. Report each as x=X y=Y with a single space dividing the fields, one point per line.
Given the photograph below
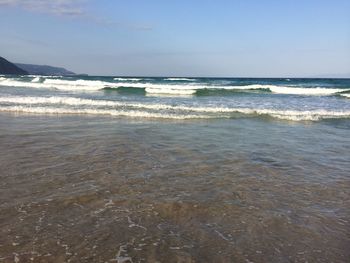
x=221 y=38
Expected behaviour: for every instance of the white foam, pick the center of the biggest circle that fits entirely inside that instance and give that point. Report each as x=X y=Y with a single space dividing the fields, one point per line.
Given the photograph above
x=94 y=85
x=180 y=79
x=170 y=90
x=151 y=87
x=158 y=86
x=174 y=89
x=297 y=90
x=57 y=100
x=134 y=114
x=128 y=79
x=67 y=85
x=72 y=101
x=313 y=115
x=78 y=83
x=36 y=79
x=191 y=89
x=345 y=95
x=177 y=112
x=163 y=88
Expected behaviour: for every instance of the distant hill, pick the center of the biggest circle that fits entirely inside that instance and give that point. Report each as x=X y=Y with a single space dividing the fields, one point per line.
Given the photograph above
x=44 y=70
x=6 y=67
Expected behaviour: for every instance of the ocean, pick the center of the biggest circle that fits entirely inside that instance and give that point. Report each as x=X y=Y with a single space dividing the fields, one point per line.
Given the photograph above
x=141 y=169
x=179 y=98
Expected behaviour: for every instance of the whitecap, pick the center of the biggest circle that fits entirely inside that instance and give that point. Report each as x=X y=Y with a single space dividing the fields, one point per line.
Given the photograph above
x=160 y=110
x=36 y=79
x=180 y=79
x=174 y=89
x=128 y=79
x=304 y=91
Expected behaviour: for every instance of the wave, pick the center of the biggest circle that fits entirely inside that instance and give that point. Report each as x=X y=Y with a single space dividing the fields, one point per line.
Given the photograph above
x=345 y=95
x=313 y=115
x=95 y=84
x=129 y=79
x=173 y=89
x=38 y=79
x=116 y=108
x=72 y=101
x=284 y=115
x=302 y=91
x=66 y=85
x=119 y=113
x=180 y=79
x=181 y=89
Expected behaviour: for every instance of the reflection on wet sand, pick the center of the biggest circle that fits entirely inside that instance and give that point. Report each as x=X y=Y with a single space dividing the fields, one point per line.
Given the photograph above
x=72 y=192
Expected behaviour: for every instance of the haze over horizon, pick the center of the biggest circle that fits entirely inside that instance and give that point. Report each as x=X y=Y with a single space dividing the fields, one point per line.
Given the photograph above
x=182 y=38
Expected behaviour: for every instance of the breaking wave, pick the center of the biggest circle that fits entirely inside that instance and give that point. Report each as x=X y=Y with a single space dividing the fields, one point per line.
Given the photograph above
x=159 y=88
x=128 y=79
x=180 y=79
x=121 y=113
x=72 y=105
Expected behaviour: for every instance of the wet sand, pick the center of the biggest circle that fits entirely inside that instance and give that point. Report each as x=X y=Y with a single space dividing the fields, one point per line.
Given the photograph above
x=92 y=189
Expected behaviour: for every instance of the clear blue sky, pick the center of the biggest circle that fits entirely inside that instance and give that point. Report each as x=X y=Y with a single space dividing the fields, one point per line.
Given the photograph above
x=252 y=38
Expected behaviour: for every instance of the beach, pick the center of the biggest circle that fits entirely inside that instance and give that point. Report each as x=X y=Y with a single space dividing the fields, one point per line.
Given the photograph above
x=174 y=131
x=92 y=188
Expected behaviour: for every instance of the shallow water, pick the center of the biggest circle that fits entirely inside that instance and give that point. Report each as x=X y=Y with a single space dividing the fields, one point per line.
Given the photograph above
x=103 y=189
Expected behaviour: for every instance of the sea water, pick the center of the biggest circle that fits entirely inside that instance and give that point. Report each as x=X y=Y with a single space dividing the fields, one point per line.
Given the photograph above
x=178 y=98
x=115 y=169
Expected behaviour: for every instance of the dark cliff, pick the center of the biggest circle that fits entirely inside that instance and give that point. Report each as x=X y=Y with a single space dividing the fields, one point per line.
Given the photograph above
x=6 y=67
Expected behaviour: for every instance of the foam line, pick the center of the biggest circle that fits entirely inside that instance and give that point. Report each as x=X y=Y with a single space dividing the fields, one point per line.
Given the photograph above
x=133 y=114
x=128 y=79
x=24 y=104
x=180 y=79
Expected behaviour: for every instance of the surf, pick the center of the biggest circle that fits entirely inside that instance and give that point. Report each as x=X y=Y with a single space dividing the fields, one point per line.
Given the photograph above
x=164 y=88
x=155 y=110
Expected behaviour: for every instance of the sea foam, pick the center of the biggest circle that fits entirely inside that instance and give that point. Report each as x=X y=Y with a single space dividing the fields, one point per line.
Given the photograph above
x=117 y=108
x=180 y=79
x=128 y=79
x=120 y=113
x=161 y=88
